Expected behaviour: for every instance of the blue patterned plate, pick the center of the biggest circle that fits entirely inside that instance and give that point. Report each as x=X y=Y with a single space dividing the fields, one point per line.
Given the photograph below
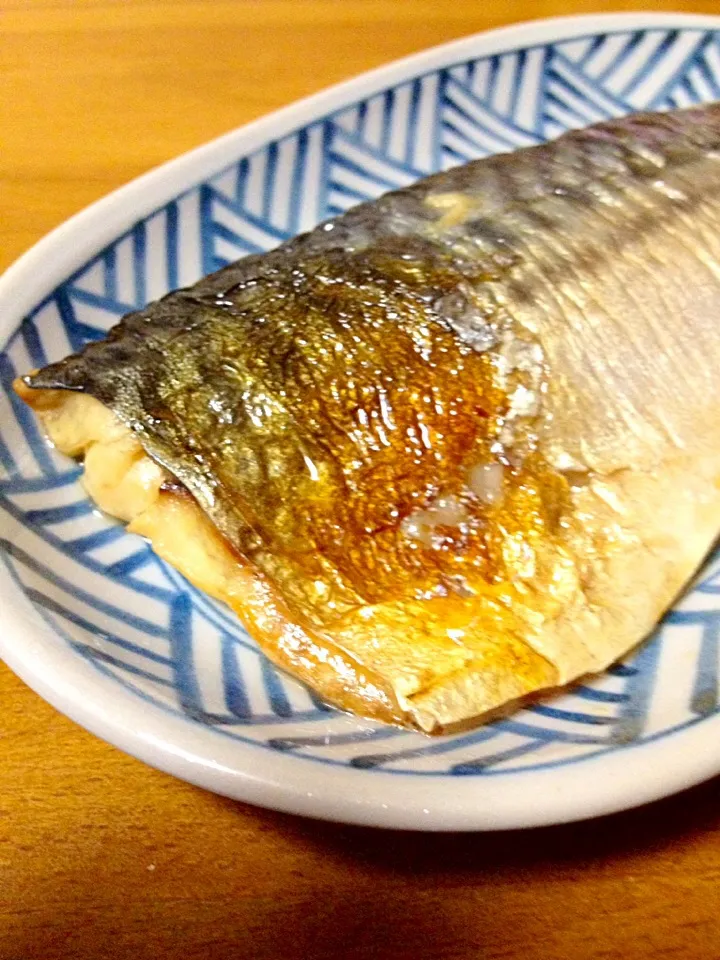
x=110 y=635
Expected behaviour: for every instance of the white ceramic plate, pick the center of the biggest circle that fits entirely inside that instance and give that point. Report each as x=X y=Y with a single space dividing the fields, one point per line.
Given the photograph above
x=123 y=645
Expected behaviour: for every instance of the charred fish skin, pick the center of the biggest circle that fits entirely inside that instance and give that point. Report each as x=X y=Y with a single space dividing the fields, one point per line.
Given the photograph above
x=426 y=423
x=529 y=232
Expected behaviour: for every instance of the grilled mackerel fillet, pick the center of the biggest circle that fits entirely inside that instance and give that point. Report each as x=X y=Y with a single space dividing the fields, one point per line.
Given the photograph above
x=455 y=447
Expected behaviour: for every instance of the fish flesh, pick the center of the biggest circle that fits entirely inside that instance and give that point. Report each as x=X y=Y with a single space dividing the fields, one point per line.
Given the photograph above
x=455 y=447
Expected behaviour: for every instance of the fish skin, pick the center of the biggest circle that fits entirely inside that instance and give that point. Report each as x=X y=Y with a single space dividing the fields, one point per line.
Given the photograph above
x=280 y=391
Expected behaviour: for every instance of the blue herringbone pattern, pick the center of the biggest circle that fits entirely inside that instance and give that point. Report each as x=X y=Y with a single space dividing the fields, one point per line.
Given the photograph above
x=178 y=649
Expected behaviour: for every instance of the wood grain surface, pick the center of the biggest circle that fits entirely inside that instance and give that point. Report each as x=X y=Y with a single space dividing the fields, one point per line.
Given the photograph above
x=102 y=857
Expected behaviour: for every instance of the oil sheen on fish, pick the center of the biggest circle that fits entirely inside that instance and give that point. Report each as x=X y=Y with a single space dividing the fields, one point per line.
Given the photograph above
x=455 y=447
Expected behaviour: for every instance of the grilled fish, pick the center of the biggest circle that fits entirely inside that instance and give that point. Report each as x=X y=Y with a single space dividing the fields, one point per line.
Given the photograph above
x=452 y=448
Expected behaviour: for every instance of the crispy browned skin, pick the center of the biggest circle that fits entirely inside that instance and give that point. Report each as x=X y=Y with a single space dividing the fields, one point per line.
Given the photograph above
x=440 y=434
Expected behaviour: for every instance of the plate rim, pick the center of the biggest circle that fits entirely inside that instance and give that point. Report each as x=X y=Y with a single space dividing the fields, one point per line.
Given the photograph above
x=109 y=217
x=75 y=688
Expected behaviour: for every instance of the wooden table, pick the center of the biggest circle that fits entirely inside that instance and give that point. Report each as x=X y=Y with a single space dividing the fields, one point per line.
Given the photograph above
x=103 y=857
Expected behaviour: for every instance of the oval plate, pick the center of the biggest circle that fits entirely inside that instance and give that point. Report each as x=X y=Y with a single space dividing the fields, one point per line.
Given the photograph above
x=118 y=641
